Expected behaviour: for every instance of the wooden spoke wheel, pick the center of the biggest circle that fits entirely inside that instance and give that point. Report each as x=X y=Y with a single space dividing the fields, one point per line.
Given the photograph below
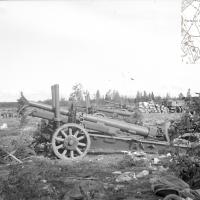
x=70 y=142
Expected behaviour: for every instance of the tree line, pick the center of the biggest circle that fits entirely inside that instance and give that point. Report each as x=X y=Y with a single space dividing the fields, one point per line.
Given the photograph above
x=78 y=95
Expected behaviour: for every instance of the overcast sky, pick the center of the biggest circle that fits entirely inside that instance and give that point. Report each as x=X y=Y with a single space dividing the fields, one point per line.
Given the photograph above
x=101 y=44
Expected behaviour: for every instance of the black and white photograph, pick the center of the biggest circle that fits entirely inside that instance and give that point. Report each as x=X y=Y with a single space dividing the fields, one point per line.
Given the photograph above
x=99 y=100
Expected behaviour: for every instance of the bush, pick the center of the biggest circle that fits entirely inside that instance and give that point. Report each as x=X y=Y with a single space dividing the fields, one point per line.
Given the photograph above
x=187 y=168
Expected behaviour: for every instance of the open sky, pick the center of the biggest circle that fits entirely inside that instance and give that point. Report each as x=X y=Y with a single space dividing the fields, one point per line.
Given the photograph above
x=102 y=44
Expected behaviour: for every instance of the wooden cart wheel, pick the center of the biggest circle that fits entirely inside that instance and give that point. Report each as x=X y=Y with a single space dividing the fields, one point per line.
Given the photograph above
x=70 y=141
x=172 y=197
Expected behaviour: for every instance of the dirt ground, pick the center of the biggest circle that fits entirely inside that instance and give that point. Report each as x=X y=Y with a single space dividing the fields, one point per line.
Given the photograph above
x=94 y=177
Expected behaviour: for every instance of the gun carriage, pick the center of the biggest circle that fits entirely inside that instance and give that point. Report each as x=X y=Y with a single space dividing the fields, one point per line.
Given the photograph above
x=75 y=133
x=101 y=111
x=98 y=111
x=123 y=107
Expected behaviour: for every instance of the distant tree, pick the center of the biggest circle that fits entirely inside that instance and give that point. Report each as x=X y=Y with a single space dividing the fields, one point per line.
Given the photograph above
x=63 y=102
x=77 y=93
x=158 y=98
x=152 y=96
x=108 y=95
x=149 y=96
x=116 y=96
x=87 y=99
x=138 y=96
x=145 y=97
x=97 y=97
x=125 y=100
x=180 y=96
x=189 y=93
x=167 y=96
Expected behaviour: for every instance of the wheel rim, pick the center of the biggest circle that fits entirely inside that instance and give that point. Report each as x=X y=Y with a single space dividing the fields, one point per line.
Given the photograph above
x=70 y=141
x=172 y=197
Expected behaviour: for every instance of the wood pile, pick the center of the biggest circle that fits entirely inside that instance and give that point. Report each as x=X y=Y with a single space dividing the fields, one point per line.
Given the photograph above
x=152 y=107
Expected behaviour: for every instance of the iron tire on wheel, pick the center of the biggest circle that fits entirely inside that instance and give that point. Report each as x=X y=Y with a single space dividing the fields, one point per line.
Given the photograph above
x=172 y=197
x=70 y=142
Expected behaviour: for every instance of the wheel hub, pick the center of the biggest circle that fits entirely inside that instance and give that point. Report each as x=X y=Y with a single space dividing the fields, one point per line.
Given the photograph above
x=70 y=143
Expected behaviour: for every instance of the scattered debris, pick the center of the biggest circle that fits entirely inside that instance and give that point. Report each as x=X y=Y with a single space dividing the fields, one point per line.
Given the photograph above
x=117 y=172
x=118 y=187
x=142 y=174
x=162 y=169
x=3 y=126
x=126 y=177
x=10 y=154
x=134 y=159
x=24 y=152
x=156 y=161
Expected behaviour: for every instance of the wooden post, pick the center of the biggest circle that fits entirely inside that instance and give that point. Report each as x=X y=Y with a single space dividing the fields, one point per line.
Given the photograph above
x=56 y=104
x=86 y=102
x=53 y=97
x=166 y=127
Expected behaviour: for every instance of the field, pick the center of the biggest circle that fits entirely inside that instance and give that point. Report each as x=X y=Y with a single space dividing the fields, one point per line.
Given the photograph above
x=107 y=176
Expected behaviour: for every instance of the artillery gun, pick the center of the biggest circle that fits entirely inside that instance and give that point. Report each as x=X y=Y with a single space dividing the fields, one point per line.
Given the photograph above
x=73 y=134
x=123 y=107
x=99 y=111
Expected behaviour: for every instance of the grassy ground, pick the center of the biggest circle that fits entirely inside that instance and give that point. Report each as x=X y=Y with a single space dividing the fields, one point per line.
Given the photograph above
x=90 y=178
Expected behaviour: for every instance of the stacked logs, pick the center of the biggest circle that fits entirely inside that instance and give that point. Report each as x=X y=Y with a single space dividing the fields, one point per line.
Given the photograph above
x=152 y=107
